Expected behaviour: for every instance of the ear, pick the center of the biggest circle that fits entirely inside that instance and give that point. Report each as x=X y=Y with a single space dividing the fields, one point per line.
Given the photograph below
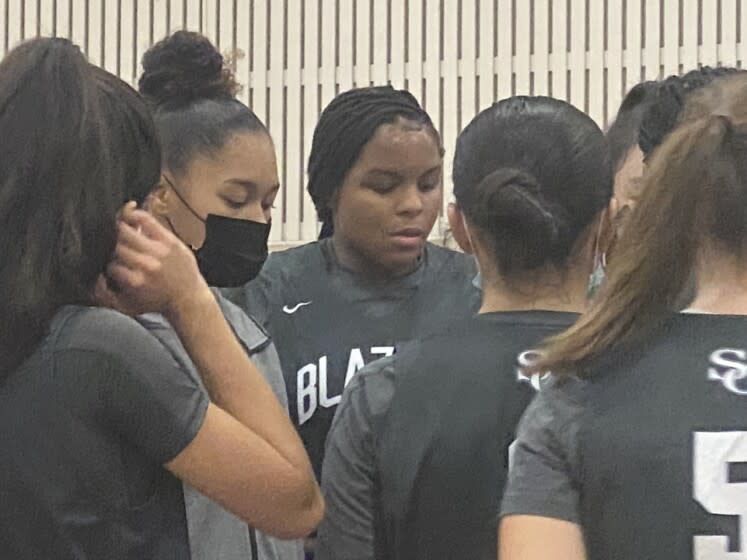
x=459 y=228
x=607 y=230
x=157 y=201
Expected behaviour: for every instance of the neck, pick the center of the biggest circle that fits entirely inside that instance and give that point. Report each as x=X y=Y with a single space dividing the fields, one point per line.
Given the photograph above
x=722 y=286
x=547 y=291
x=356 y=262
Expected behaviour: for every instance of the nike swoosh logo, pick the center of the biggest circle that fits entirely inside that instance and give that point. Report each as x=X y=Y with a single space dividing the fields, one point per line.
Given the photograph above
x=292 y=310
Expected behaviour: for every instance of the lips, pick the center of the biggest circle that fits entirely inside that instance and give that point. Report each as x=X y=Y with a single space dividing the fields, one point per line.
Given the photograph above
x=409 y=232
x=408 y=238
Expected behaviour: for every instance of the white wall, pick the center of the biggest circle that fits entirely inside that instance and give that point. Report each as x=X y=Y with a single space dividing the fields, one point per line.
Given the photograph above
x=456 y=56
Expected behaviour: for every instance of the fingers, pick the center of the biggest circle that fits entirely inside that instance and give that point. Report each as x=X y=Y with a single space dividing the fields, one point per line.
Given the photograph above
x=136 y=260
x=129 y=236
x=126 y=278
x=146 y=224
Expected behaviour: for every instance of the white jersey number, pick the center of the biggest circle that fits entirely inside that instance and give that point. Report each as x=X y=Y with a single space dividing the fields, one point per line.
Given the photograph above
x=714 y=451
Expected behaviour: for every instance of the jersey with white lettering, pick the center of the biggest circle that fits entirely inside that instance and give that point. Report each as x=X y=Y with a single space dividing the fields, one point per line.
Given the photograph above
x=443 y=445
x=651 y=456
x=328 y=322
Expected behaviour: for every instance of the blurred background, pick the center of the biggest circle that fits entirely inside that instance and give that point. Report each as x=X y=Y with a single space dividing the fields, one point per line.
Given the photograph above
x=455 y=56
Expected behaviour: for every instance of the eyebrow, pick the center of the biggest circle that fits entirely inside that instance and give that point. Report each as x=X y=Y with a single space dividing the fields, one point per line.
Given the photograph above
x=397 y=174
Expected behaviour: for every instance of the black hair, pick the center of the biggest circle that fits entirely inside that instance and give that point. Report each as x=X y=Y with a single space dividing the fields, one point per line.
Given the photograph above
x=531 y=173
x=78 y=143
x=663 y=112
x=622 y=134
x=345 y=126
x=193 y=93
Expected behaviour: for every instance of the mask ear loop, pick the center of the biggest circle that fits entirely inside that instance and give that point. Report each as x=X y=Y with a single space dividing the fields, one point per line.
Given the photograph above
x=184 y=201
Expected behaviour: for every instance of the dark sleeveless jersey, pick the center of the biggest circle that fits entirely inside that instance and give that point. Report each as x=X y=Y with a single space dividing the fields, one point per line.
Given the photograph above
x=442 y=448
x=328 y=322
x=663 y=446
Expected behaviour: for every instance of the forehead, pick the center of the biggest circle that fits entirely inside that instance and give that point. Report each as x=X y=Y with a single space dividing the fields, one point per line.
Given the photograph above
x=400 y=145
x=246 y=155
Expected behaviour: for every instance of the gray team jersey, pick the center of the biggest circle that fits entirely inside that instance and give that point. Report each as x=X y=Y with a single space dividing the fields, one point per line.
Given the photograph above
x=214 y=533
x=328 y=322
x=648 y=453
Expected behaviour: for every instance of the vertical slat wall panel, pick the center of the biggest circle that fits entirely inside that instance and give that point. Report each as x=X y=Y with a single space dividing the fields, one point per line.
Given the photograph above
x=671 y=17
x=486 y=62
x=728 y=44
x=95 y=32
x=111 y=35
x=559 y=60
x=379 y=28
x=15 y=22
x=292 y=180
x=432 y=66
x=690 y=25
x=143 y=32
x=177 y=15
x=522 y=63
x=709 y=21
x=161 y=23
x=652 y=59
x=449 y=120
x=505 y=62
x=363 y=46
x=31 y=19
x=468 y=67
x=595 y=91
x=578 y=54
x=311 y=104
x=633 y=42
x=126 y=44
x=243 y=47
x=397 y=44
x=540 y=58
x=614 y=64
x=346 y=71
x=46 y=18
x=276 y=99
x=456 y=56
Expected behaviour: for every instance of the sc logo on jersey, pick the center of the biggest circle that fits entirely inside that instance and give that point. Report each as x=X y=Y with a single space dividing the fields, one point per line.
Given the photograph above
x=729 y=366
x=525 y=360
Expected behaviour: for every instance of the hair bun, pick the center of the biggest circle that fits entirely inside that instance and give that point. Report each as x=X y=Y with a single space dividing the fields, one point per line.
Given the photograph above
x=183 y=68
x=510 y=204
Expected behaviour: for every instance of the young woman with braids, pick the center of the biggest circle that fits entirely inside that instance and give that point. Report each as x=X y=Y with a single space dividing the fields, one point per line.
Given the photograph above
x=373 y=280
x=416 y=455
x=636 y=447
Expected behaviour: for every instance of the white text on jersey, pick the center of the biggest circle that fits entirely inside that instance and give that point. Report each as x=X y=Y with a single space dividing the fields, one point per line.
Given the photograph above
x=729 y=366
x=311 y=381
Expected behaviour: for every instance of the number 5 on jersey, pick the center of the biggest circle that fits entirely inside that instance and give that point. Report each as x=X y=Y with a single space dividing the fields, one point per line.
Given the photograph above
x=714 y=453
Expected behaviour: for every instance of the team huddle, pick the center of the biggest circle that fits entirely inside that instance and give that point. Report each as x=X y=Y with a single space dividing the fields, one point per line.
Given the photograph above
x=570 y=384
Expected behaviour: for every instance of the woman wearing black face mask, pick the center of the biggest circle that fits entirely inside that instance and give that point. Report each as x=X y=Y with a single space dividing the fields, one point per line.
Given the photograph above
x=218 y=184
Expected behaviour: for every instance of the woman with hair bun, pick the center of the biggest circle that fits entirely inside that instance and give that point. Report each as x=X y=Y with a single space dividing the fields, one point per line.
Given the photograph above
x=416 y=457
x=218 y=183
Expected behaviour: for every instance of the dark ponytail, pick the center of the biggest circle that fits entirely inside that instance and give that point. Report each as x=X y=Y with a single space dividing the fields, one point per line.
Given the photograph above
x=66 y=127
x=193 y=93
x=695 y=192
x=531 y=173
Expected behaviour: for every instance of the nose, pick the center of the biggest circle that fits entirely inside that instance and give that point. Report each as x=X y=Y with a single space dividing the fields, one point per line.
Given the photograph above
x=411 y=200
x=256 y=213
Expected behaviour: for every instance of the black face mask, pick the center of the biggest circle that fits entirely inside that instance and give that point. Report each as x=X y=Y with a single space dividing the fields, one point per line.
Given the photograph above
x=234 y=250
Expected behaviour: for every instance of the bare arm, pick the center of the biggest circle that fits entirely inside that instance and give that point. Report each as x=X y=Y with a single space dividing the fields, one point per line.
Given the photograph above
x=530 y=537
x=247 y=455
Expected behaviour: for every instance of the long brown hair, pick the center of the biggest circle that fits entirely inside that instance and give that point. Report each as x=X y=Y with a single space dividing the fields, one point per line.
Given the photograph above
x=695 y=192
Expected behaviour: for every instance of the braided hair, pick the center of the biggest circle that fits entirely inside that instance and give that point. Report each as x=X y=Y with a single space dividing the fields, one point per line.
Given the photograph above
x=345 y=126
x=663 y=112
